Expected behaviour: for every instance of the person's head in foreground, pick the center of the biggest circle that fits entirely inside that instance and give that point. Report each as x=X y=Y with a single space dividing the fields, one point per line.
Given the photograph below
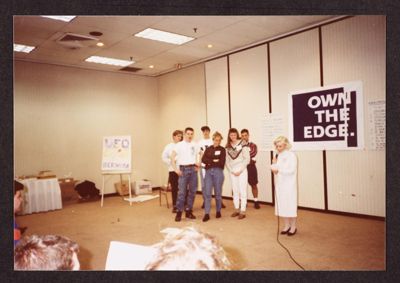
x=281 y=143
x=48 y=252
x=18 y=188
x=189 y=250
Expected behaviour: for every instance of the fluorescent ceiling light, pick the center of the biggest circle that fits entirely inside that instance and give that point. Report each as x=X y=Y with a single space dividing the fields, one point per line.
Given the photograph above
x=23 y=48
x=61 y=18
x=108 y=61
x=164 y=36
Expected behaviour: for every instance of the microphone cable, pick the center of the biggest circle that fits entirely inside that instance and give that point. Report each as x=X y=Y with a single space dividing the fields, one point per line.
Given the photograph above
x=278 y=233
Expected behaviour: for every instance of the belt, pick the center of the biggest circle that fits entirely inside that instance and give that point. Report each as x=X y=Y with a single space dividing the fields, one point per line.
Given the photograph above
x=185 y=166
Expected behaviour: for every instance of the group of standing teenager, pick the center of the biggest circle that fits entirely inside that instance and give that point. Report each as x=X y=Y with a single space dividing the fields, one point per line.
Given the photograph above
x=186 y=158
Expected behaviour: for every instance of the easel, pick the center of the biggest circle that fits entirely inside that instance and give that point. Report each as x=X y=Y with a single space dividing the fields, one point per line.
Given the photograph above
x=104 y=173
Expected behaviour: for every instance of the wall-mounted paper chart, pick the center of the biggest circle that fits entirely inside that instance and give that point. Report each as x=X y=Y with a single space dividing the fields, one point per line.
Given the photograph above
x=377 y=124
x=272 y=127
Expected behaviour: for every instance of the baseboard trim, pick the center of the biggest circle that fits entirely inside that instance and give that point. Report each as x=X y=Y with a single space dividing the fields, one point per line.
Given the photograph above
x=351 y=214
x=112 y=195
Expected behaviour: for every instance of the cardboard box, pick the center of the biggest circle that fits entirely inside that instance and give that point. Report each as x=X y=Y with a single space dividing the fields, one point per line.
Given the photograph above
x=122 y=189
x=67 y=186
x=143 y=187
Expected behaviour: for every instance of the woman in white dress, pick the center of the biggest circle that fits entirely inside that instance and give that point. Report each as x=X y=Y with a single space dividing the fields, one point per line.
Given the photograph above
x=284 y=166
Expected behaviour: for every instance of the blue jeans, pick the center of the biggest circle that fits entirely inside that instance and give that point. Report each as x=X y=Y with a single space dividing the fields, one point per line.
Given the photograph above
x=214 y=179
x=189 y=177
x=203 y=183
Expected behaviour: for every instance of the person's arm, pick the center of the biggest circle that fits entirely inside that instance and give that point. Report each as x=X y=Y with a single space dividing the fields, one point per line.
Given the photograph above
x=201 y=154
x=246 y=158
x=206 y=157
x=255 y=151
x=289 y=167
x=221 y=161
x=173 y=163
x=165 y=156
x=198 y=159
x=228 y=163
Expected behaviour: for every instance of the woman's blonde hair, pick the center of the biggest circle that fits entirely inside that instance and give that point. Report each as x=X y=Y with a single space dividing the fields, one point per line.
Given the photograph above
x=284 y=140
x=217 y=134
x=189 y=249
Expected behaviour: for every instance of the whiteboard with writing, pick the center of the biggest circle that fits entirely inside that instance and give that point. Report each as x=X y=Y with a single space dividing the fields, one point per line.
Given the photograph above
x=116 y=154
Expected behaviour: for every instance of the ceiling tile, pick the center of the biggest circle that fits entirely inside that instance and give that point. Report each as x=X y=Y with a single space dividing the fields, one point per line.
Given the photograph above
x=33 y=30
x=136 y=47
x=128 y=25
x=225 y=33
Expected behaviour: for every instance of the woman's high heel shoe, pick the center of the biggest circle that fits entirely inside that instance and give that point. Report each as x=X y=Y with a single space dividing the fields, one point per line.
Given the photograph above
x=285 y=232
x=291 y=234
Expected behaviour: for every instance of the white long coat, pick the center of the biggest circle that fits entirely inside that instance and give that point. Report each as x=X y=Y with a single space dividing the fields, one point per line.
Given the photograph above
x=286 y=185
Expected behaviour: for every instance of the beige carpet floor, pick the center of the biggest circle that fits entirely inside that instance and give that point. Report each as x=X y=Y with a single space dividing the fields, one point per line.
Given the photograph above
x=323 y=242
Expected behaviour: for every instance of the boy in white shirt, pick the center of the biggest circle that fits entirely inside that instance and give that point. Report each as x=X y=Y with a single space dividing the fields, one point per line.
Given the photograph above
x=185 y=162
x=172 y=176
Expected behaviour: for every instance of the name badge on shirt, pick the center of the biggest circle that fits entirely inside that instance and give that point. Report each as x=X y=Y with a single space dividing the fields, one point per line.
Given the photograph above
x=217 y=152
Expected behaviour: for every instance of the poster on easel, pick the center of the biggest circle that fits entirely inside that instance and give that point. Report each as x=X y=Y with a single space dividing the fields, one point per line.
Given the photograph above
x=116 y=154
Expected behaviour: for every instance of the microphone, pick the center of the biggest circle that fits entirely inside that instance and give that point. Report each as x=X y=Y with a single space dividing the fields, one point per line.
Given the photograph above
x=276 y=155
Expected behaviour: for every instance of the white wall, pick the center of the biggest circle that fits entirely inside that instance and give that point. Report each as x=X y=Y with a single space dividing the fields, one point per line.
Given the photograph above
x=295 y=66
x=182 y=101
x=249 y=104
x=61 y=115
x=218 y=105
x=355 y=49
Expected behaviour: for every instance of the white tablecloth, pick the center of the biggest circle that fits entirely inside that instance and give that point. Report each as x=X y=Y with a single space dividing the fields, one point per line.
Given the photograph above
x=41 y=195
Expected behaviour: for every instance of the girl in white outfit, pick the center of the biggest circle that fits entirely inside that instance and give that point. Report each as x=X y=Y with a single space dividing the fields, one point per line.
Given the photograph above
x=237 y=159
x=284 y=166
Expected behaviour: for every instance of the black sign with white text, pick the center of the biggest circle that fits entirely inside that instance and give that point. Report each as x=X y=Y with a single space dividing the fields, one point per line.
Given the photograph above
x=327 y=117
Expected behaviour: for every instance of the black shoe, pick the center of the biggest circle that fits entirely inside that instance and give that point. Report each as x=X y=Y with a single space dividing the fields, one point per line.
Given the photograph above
x=178 y=216
x=190 y=215
x=291 y=234
x=223 y=205
x=206 y=217
x=218 y=215
x=235 y=214
x=174 y=210
x=202 y=206
x=256 y=205
x=285 y=231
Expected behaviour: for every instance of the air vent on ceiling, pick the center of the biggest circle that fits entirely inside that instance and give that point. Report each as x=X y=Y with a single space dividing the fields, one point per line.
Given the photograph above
x=75 y=41
x=130 y=69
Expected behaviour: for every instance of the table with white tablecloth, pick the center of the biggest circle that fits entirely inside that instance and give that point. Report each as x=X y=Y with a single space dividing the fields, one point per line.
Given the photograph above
x=41 y=195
